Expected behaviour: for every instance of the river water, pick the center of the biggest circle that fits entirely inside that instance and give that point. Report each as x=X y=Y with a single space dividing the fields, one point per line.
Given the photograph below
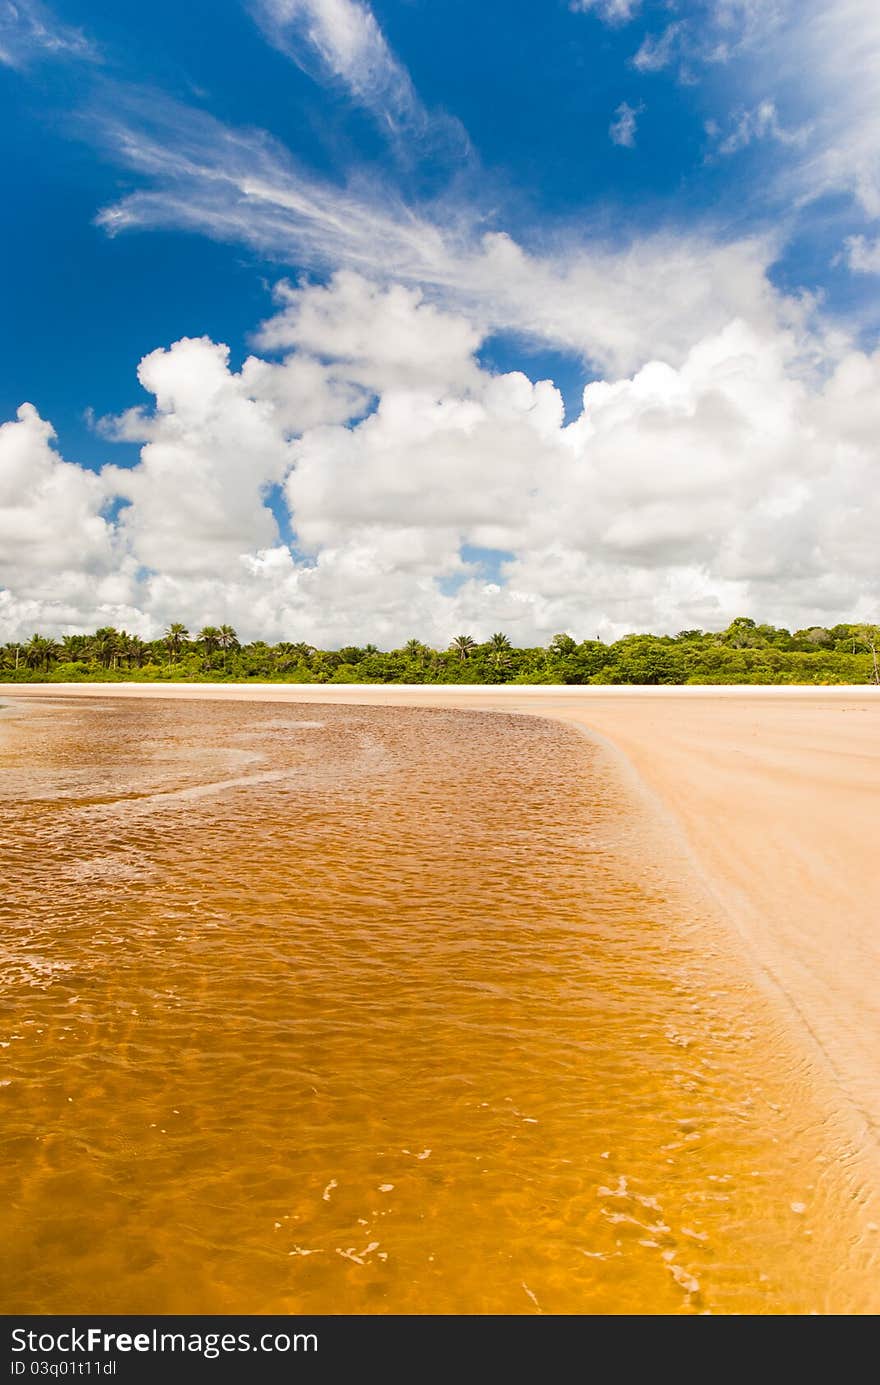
x=381 y=1010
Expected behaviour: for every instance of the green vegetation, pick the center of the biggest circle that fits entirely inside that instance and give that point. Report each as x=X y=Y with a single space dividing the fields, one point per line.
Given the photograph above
x=743 y=653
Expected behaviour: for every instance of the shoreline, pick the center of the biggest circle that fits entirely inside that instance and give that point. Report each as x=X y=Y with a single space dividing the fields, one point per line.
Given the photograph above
x=774 y=794
x=344 y=691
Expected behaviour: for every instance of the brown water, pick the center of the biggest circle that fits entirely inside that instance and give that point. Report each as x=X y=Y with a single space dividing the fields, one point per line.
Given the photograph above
x=334 y=1009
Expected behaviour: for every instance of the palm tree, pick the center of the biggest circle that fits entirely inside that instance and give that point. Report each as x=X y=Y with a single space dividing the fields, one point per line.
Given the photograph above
x=73 y=647
x=123 y=648
x=33 y=652
x=463 y=644
x=138 y=651
x=300 y=651
x=39 y=651
x=287 y=654
x=174 y=638
x=209 y=638
x=351 y=654
x=105 y=646
x=499 y=648
x=226 y=640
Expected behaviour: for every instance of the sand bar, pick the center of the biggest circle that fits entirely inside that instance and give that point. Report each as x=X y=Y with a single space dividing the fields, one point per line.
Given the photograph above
x=775 y=795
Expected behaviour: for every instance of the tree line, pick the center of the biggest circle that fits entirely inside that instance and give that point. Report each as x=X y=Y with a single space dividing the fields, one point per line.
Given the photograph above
x=744 y=652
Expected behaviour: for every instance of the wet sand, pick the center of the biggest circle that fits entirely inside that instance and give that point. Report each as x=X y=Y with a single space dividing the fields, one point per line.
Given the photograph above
x=767 y=802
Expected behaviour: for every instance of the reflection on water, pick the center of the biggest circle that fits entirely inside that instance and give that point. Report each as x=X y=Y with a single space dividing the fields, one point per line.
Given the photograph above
x=332 y=1009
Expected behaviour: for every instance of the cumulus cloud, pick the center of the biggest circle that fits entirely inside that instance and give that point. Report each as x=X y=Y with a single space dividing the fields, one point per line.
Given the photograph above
x=212 y=446
x=29 y=31
x=682 y=494
x=724 y=462
x=622 y=129
x=60 y=558
x=50 y=511
x=378 y=338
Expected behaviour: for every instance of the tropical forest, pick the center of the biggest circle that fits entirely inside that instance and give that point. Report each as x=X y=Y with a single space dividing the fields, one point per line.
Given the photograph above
x=745 y=652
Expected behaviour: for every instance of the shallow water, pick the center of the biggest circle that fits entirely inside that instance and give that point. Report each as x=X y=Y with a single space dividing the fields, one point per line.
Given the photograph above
x=375 y=1010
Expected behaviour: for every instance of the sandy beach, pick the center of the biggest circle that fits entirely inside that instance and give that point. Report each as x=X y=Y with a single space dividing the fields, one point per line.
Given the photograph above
x=773 y=793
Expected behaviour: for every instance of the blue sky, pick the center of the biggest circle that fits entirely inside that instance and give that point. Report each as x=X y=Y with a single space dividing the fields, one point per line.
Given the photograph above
x=566 y=192
x=540 y=143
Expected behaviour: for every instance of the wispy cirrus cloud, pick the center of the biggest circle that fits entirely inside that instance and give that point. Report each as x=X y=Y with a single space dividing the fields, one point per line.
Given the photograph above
x=610 y=11
x=30 y=32
x=807 y=74
x=816 y=73
x=709 y=33
x=706 y=30
x=341 y=42
x=839 y=45
x=615 y=305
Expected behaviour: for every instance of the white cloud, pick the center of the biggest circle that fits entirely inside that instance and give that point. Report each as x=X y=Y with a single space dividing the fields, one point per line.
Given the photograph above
x=682 y=495
x=60 y=558
x=711 y=32
x=815 y=62
x=29 y=31
x=839 y=47
x=863 y=255
x=379 y=338
x=343 y=38
x=50 y=511
x=758 y=123
x=737 y=26
x=622 y=129
x=340 y=41
x=725 y=464
x=658 y=51
x=609 y=11
x=614 y=305
x=211 y=447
